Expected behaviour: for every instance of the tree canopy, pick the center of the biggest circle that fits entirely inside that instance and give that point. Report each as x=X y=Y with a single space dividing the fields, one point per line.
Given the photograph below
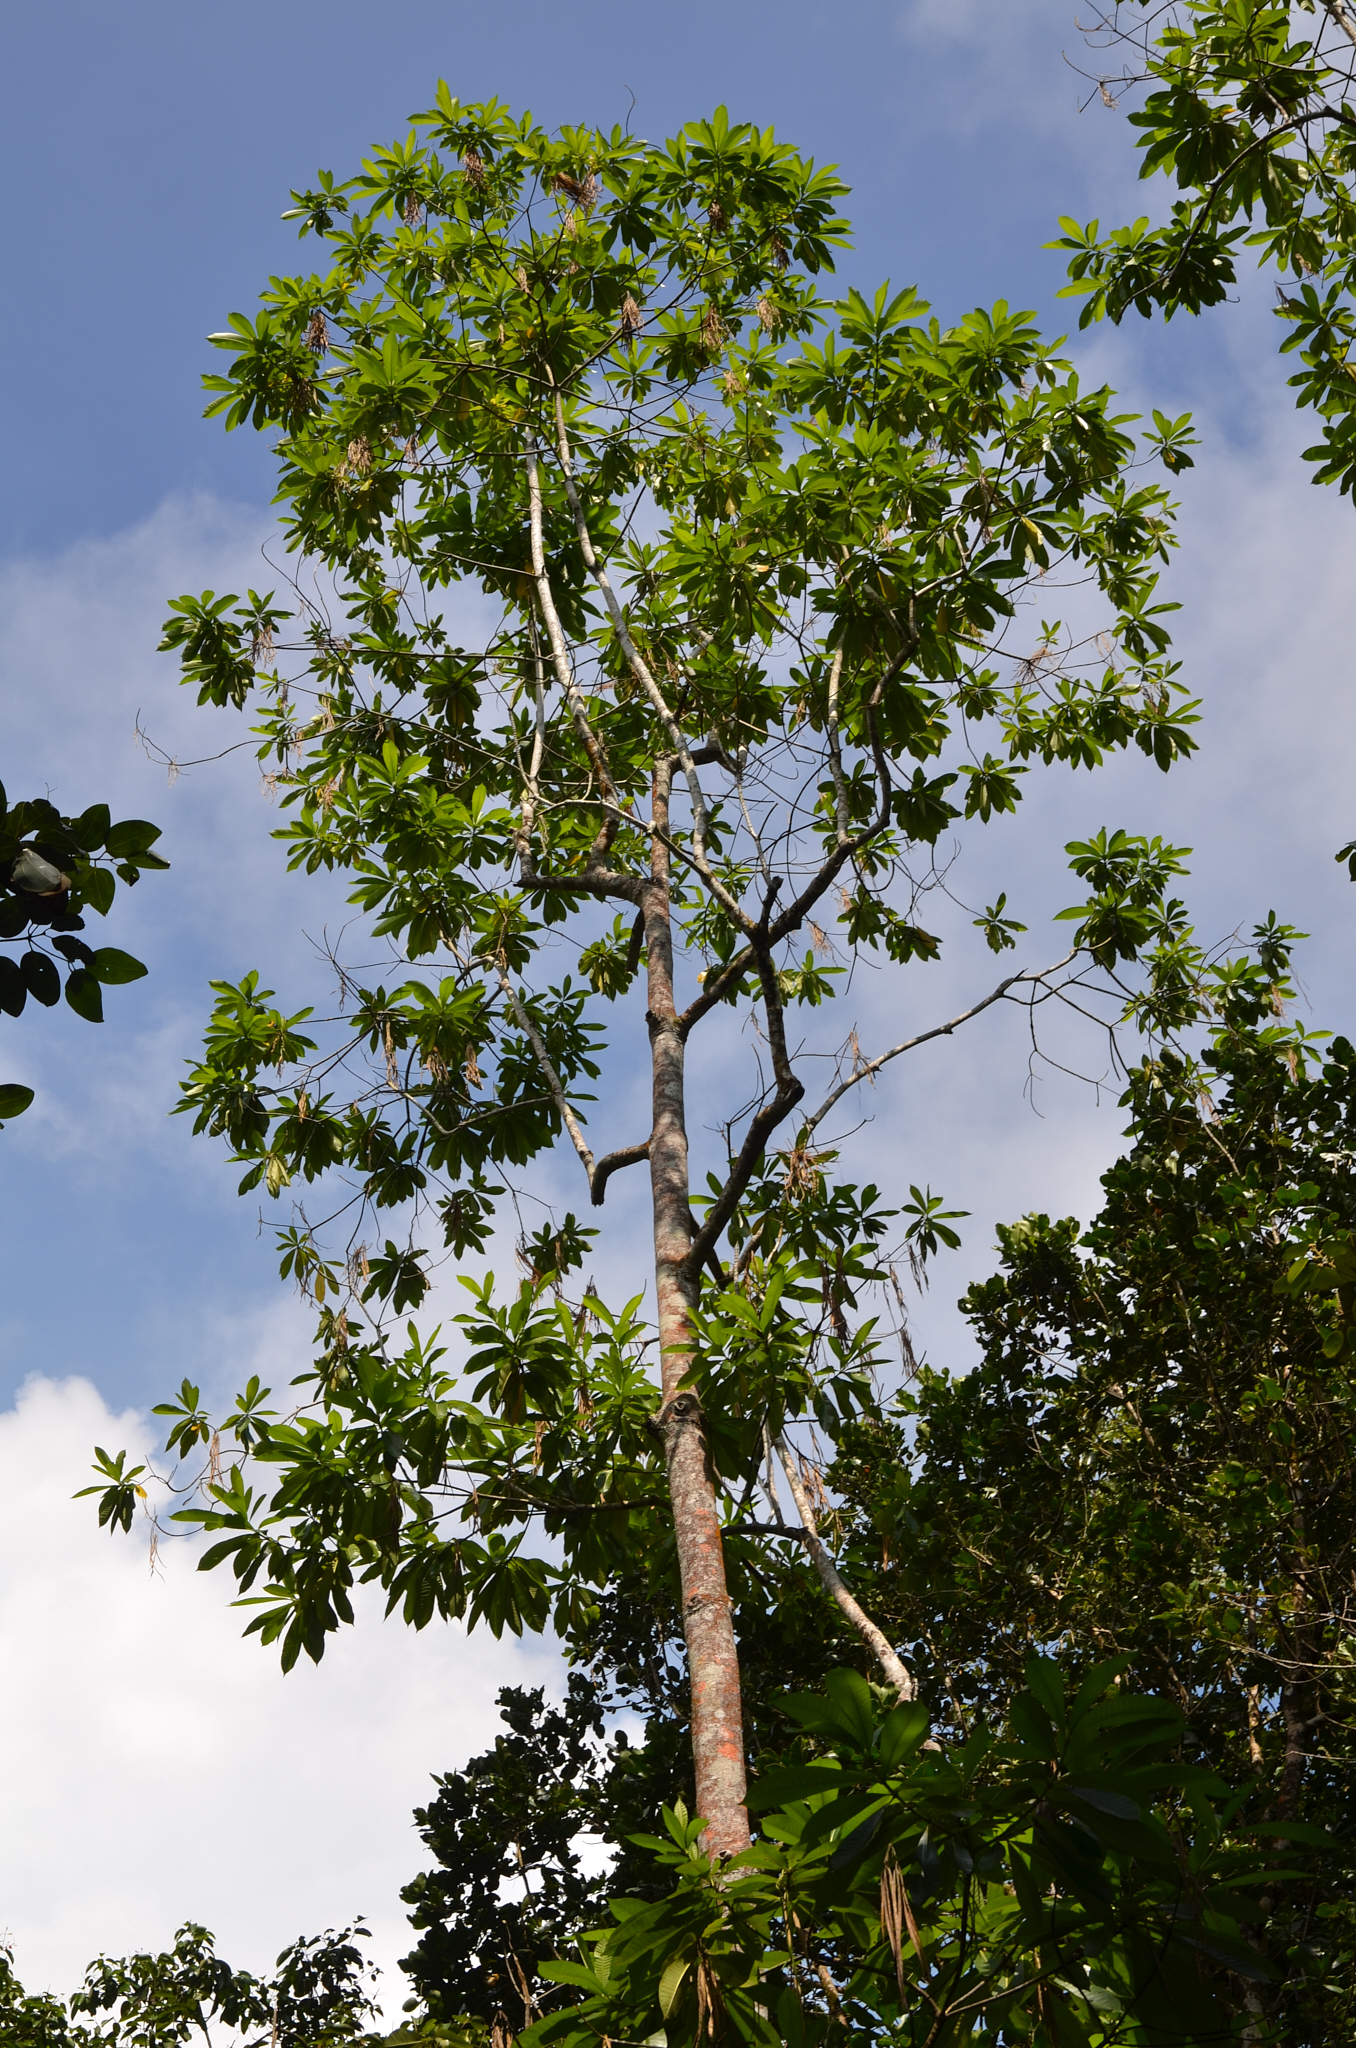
x=654 y=615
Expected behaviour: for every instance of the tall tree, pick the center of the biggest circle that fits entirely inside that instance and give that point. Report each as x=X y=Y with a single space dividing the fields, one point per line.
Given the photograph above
x=746 y=572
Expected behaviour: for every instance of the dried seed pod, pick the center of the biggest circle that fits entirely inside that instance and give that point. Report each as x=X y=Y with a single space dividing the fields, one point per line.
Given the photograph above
x=767 y=315
x=317 y=332
x=713 y=331
x=473 y=170
x=261 y=646
x=412 y=210
x=892 y=1903
x=632 y=319
x=360 y=456
x=715 y=213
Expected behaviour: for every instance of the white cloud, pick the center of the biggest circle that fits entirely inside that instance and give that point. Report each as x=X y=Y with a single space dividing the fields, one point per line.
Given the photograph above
x=158 y=1769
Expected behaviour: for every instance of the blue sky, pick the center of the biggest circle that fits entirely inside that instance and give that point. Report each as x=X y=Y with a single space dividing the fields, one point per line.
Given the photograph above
x=148 y=151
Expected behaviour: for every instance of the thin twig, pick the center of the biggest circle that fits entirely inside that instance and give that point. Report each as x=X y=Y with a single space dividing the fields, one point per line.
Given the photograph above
x=938 y=1031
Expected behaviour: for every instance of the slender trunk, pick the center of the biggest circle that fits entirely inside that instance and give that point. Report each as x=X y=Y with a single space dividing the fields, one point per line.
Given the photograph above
x=712 y=1657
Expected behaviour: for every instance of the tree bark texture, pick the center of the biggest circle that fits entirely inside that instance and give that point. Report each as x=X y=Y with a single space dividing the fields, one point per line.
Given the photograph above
x=708 y=1627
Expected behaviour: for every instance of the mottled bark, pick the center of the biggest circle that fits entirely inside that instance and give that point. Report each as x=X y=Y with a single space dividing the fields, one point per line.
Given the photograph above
x=708 y=1627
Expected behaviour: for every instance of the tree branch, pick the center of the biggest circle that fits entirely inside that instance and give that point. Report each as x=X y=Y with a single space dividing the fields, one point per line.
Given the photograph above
x=938 y=1031
x=840 y=795
x=553 y=1082
x=532 y=774
x=898 y=1673
x=1339 y=13
x=560 y=658
x=640 y=670
x=612 y=1162
x=750 y=1152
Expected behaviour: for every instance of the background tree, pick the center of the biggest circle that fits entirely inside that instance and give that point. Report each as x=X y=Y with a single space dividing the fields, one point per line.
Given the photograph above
x=318 y=1997
x=1149 y=1470
x=1068 y=1880
x=1152 y=1462
x=53 y=869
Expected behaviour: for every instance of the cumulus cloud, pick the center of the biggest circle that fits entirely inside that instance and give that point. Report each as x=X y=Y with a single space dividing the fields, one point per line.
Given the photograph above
x=158 y=1769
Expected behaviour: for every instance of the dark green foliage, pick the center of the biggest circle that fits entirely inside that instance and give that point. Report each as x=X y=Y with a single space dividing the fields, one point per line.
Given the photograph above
x=52 y=870
x=508 y=1824
x=1064 y=1878
x=1153 y=1460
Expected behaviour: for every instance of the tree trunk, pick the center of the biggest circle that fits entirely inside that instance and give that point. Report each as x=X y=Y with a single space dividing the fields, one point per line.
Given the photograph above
x=712 y=1657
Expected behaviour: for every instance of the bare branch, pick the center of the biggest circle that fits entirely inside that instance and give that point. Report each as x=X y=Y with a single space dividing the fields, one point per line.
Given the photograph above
x=635 y=942
x=896 y=1671
x=610 y=1163
x=840 y=796
x=1341 y=14
x=532 y=774
x=863 y=1073
x=750 y=1152
x=560 y=655
x=538 y=1044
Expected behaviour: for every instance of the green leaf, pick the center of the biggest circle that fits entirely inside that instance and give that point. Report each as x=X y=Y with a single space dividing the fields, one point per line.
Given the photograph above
x=109 y=965
x=41 y=978
x=130 y=838
x=671 y=1983
x=85 y=996
x=1113 y=1803
x=906 y=1726
x=97 y=886
x=13 y=988
x=853 y=1711
x=90 y=829
x=14 y=1099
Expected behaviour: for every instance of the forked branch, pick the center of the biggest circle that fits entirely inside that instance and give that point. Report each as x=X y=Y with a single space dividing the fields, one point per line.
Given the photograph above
x=870 y=1067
